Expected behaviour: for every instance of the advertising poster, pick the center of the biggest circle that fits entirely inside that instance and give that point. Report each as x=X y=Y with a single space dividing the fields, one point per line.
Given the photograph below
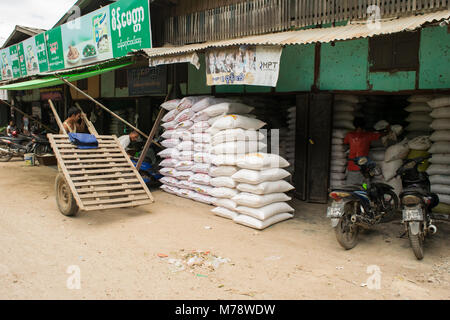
x=30 y=56
x=55 y=51
x=22 y=62
x=87 y=40
x=7 y=72
x=130 y=26
x=244 y=65
x=41 y=52
x=14 y=58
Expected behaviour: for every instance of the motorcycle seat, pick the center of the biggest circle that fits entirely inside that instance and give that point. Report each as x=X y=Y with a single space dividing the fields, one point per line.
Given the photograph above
x=349 y=188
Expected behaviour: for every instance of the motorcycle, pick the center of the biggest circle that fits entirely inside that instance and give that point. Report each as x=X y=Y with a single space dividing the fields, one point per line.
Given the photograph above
x=19 y=145
x=356 y=207
x=417 y=202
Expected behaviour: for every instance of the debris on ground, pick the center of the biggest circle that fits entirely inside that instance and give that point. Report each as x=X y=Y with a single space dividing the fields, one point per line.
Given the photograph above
x=199 y=261
x=162 y=255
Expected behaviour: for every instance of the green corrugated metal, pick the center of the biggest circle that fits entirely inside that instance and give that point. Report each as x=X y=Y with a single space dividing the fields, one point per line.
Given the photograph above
x=434 y=58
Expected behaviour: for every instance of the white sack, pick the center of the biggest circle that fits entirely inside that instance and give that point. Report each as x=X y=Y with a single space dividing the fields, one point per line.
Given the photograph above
x=440 y=135
x=169 y=189
x=438 y=169
x=419 y=117
x=390 y=168
x=170 y=116
x=440 y=179
x=223 y=171
x=440 y=158
x=266 y=212
x=260 y=225
x=184 y=165
x=259 y=176
x=227 y=108
x=397 y=151
x=440 y=124
x=227 y=193
x=200 y=178
x=238 y=147
x=225 y=203
x=418 y=107
x=440 y=147
x=169 y=153
x=258 y=201
x=441 y=113
x=171 y=104
x=440 y=188
x=267 y=187
x=201 y=168
x=224 y=213
x=237 y=134
x=439 y=102
x=237 y=121
x=421 y=143
x=259 y=161
x=226 y=182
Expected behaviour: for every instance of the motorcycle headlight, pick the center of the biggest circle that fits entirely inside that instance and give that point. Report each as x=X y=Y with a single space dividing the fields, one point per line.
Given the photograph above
x=362 y=161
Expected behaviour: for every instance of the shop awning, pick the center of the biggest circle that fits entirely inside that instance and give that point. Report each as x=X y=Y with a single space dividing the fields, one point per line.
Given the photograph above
x=53 y=80
x=353 y=30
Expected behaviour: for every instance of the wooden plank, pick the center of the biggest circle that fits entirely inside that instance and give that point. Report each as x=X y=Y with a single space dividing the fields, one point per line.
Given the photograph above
x=116 y=200
x=104 y=176
x=91 y=161
x=86 y=151
x=97 y=166
x=92 y=156
x=93 y=189
x=61 y=136
x=73 y=147
x=109 y=181
x=88 y=123
x=109 y=170
x=58 y=120
x=117 y=206
x=112 y=194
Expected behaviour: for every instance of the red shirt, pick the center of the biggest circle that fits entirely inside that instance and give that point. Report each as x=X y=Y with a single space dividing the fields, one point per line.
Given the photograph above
x=359 y=145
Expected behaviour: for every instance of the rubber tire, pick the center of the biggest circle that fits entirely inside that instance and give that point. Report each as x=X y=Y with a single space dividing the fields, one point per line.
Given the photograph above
x=396 y=201
x=416 y=244
x=68 y=208
x=6 y=158
x=41 y=149
x=346 y=243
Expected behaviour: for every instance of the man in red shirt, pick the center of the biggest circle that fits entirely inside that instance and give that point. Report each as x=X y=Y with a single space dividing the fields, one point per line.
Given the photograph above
x=359 y=141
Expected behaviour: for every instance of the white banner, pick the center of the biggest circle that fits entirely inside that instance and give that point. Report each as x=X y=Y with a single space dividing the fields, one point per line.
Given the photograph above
x=4 y=95
x=249 y=65
x=191 y=58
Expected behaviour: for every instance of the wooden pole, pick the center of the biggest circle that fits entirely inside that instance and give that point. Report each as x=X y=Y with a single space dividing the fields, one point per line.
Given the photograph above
x=150 y=138
x=31 y=118
x=104 y=108
x=89 y=124
x=58 y=120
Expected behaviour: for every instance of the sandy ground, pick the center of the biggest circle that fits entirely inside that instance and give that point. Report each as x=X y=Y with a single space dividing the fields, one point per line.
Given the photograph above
x=117 y=252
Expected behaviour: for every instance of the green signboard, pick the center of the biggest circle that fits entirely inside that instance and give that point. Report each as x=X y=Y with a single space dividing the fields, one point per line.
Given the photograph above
x=14 y=58
x=109 y=32
x=130 y=26
x=55 y=53
x=22 y=61
x=41 y=52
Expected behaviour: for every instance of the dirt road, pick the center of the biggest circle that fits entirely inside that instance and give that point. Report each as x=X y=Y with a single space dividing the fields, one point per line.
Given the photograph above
x=116 y=252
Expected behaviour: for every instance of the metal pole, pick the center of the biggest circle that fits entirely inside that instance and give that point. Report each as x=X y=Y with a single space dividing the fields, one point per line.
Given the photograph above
x=105 y=108
x=32 y=119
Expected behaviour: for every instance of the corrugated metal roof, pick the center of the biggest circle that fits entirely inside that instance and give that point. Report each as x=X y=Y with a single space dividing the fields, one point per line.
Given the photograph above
x=352 y=30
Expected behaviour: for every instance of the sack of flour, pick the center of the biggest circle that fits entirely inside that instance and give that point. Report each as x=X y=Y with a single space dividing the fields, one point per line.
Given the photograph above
x=260 y=161
x=259 y=176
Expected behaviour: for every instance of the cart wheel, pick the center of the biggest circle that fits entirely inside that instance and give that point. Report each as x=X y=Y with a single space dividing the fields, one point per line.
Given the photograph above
x=65 y=200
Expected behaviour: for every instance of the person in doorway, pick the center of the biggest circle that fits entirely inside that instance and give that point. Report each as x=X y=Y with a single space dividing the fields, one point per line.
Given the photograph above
x=10 y=128
x=359 y=142
x=126 y=139
x=73 y=123
x=26 y=125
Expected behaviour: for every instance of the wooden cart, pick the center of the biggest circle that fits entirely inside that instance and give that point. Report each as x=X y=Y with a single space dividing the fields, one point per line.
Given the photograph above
x=95 y=179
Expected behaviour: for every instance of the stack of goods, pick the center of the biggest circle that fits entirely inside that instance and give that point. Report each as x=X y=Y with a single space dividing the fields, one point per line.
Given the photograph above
x=343 y=116
x=419 y=118
x=183 y=176
x=439 y=169
x=262 y=198
x=232 y=135
x=117 y=127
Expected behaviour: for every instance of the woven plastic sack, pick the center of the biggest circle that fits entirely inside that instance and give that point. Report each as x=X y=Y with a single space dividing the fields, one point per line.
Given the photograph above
x=237 y=147
x=266 y=187
x=421 y=143
x=266 y=212
x=257 y=201
x=169 y=153
x=439 y=169
x=169 y=189
x=222 y=192
x=418 y=107
x=260 y=176
x=440 y=124
x=226 y=182
x=439 y=102
x=224 y=213
x=170 y=116
x=227 y=108
x=222 y=171
x=260 y=161
x=231 y=135
x=237 y=121
x=225 y=203
x=440 y=135
x=440 y=147
x=397 y=151
x=261 y=225
x=171 y=104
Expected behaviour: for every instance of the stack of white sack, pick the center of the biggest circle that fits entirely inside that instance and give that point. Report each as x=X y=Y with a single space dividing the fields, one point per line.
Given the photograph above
x=439 y=170
x=232 y=136
x=290 y=141
x=393 y=160
x=261 y=201
x=183 y=176
x=343 y=116
x=419 y=118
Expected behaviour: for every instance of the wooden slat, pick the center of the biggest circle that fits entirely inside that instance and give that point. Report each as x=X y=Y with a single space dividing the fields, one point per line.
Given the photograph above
x=86 y=151
x=103 y=176
x=89 y=161
x=105 y=182
x=97 y=166
x=117 y=206
x=116 y=200
x=109 y=170
x=112 y=194
x=96 y=189
x=92 y=156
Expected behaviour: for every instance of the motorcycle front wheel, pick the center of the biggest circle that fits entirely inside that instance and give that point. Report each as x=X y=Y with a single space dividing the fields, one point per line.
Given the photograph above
x=346 y=231
x=416 y=242
x=5 y=157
